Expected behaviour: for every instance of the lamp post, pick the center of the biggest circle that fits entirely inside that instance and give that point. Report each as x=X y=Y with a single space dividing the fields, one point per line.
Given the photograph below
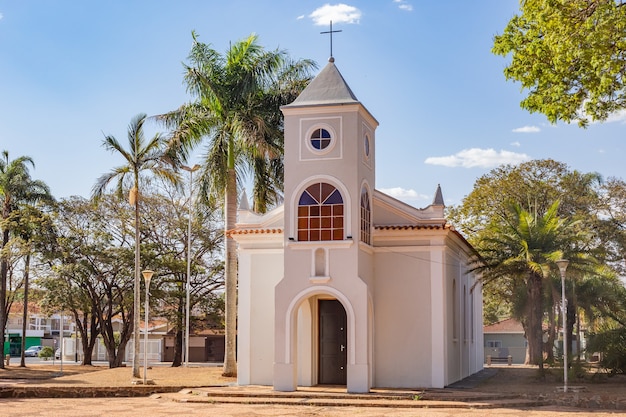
x=191 y=170
x=562 y=264
x=147 y=275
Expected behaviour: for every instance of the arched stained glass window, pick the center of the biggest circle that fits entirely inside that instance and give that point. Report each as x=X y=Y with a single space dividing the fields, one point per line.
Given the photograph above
x=366 y=215
x=320 y=213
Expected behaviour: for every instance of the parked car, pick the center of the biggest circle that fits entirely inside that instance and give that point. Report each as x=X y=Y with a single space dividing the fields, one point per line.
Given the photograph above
x=57 y=353
x=33 y=351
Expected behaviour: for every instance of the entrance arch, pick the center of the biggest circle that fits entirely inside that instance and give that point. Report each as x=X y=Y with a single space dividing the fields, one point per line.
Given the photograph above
x=298 y=360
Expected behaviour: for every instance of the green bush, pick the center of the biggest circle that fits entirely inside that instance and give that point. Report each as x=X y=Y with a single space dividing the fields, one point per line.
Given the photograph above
x=612 y=344
x=46 y=352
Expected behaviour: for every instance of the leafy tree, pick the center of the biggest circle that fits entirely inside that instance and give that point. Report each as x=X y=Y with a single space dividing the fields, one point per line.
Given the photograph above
x=237 y=109
x=92 y=273
x=165 y=215
x=35 y=232
x=591 y=205
x=141 y=155
x=16 y=188
x=570 y=55
x=524 y=248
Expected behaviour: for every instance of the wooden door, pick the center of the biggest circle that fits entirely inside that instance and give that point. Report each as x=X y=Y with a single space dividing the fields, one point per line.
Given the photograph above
x=332 y=343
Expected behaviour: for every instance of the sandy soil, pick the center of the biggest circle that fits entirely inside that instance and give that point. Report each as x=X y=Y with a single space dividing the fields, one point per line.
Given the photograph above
x=508 y=379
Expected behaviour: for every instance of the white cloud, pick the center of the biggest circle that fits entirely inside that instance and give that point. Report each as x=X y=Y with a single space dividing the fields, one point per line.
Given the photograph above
x=527 y=129
x=300 y=17
x=403 y=194
x=403 y=5
x=617 y=117
x=516 y=144
x=338 y=13
x=478 y=158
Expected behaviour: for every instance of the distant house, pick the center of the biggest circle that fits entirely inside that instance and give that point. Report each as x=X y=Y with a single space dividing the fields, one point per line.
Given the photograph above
x=505 y=338
x=41 y=329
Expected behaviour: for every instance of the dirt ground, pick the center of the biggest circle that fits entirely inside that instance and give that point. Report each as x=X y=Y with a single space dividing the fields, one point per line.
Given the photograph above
x=508 y=379
x=102 y=376
x=514 y=379
x=527 y=379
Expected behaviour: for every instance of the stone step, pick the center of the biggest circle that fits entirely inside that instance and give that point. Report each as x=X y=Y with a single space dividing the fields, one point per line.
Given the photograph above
x=347 y=400
x=334 y=399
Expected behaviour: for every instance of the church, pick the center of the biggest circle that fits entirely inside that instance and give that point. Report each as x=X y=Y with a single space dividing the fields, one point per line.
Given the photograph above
x=344 y=285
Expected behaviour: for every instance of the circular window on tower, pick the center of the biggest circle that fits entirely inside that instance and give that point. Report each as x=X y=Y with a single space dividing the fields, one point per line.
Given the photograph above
x=321 y=139
x=366 y=145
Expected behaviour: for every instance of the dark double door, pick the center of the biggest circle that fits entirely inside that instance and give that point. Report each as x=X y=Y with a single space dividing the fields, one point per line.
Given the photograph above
x=333 y=351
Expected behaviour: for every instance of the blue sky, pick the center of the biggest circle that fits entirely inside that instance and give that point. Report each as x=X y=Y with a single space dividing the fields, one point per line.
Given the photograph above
x=72 y=71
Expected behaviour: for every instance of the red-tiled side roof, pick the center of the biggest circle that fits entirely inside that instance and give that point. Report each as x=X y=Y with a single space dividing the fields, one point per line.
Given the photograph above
x=504 y=326
x=253 y=231
x=413 y=227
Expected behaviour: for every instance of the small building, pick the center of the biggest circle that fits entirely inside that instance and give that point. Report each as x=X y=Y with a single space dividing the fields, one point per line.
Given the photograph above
x=343 y=284
x=505 y=338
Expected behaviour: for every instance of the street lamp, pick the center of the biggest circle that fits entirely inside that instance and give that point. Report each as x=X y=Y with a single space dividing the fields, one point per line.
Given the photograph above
x=191 y=170
x=562 y=264
x=147 y=275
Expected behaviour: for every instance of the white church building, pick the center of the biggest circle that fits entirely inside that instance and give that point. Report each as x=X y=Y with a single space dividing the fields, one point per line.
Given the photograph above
x=343 y=284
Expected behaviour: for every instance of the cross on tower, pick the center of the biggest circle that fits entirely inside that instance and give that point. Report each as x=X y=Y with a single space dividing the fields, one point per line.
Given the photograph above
x=330 y=32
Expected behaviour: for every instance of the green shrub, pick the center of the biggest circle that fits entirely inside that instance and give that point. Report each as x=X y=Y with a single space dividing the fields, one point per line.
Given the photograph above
x=612 y=344
x=46 y=352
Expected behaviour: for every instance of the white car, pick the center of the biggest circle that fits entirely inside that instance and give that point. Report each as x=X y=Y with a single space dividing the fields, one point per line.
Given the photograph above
x=33 y=351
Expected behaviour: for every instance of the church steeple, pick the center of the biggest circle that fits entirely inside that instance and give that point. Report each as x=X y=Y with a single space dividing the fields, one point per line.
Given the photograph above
x=329 y=87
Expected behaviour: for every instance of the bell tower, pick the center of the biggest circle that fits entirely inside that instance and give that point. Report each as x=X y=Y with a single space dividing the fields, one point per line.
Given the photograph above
x=329 y=165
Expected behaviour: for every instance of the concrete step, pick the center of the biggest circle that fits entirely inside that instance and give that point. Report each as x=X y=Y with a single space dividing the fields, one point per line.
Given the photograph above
x=234 y=395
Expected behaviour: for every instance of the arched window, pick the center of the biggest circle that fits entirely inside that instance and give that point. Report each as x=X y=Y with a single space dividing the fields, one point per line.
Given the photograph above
x=366 y=215
x=320 y=213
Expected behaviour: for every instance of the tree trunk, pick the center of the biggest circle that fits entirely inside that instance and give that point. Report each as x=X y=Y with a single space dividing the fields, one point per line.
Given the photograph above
x=25 y=312
x=137 y=295
x=3 y=293
x=535 y=316
x=230 y=272
x=178 y=348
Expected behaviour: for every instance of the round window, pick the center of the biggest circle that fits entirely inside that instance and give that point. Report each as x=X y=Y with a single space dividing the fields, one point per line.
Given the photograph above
x=366 y=145
x=320 y=139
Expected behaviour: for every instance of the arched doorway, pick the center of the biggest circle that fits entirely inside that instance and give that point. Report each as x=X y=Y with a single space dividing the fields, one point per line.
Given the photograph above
x=333 y=342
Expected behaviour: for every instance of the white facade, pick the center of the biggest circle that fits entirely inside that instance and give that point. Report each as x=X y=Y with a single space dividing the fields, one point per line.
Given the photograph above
x=344 y=284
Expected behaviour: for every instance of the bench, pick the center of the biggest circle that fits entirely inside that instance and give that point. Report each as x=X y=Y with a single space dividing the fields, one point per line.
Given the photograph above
x=494 y=359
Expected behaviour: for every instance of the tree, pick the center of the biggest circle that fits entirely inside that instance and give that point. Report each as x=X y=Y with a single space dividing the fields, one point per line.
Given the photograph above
x=16 y=188
x=237 y=109
x=165 y=214
x=524 y=247
x=570 y=55
x=35 y=233
x=91 y=272
x=141 y=155
x=534 y=186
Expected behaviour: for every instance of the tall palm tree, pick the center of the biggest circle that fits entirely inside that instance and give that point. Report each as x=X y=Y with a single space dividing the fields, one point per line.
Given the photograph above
x=525 y=247
x=237 y=109
x=140 y=155
x=16 y=188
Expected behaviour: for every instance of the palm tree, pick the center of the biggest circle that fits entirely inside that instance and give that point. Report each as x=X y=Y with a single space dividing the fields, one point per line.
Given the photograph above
x=141 y=155
x=524 y=248
x=237 y=108
x=16 y=188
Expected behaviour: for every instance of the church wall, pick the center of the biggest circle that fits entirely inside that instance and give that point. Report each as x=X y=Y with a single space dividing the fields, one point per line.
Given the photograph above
x=259 y=272
x=401 y=294
x=454 y=285
x=464 y=311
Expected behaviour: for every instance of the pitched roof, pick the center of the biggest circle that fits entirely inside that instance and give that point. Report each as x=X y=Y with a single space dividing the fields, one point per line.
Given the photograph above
x=329 y=87
x=509 y=325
